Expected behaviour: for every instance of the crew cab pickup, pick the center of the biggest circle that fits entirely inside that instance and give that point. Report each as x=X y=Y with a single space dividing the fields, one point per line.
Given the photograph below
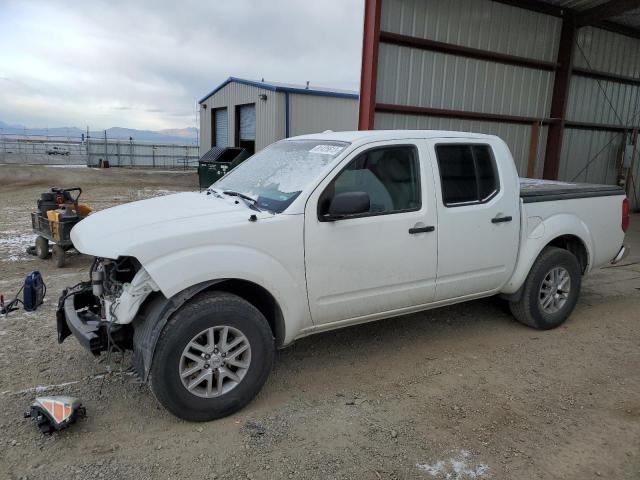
x=323 y=231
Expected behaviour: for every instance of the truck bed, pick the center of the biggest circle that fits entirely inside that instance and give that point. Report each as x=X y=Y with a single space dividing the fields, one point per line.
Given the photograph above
x=535 y=190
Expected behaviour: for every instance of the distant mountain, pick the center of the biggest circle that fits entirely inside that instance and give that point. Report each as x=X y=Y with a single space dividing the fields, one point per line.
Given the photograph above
x=187 y=135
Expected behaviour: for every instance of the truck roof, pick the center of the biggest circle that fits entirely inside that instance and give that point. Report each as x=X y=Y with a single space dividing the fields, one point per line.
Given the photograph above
x=376 y=135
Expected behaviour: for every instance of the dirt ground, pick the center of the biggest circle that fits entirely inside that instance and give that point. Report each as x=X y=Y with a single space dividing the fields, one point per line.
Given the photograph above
x=462 y=392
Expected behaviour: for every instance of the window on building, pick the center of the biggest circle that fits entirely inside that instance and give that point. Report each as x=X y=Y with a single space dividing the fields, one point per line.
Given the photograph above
x=467 y=173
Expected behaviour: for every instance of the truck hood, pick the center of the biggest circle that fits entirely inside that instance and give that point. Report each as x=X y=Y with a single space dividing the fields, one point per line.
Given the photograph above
x=147 y=229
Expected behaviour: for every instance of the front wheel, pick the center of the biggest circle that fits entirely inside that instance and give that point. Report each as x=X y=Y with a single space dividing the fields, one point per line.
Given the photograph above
x=551 y=290
x=212 y=358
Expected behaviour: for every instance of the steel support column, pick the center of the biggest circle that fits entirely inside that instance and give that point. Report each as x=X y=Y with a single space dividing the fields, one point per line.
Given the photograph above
x=559 y=99
x=369 y=73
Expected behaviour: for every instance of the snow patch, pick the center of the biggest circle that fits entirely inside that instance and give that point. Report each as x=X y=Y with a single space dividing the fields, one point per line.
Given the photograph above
x=13 y=245
x=152 y=192
x=66 y=166
x=455 y=468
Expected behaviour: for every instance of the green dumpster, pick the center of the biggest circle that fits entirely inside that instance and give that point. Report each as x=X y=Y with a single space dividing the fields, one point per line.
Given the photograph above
x=217 y=162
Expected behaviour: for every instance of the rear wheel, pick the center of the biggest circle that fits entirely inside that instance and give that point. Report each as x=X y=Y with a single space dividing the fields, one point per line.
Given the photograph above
x=59 y=255
x=42 y=247
x=212 y=358
x=551 y=290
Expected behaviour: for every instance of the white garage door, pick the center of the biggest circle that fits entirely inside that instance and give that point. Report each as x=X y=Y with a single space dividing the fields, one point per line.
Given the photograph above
x=248 y=122
x=222 y=127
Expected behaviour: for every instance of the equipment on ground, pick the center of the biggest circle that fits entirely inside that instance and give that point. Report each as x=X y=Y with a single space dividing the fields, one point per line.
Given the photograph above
x=33 y=290
x=55 y=413
x=58 y=211
x=217 y=162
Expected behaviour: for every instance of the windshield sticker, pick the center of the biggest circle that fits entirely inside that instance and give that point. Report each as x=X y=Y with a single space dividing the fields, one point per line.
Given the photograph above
x=326 y=149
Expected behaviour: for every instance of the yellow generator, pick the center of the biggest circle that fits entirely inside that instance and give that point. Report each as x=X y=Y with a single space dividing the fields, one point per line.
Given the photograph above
x=58 y=211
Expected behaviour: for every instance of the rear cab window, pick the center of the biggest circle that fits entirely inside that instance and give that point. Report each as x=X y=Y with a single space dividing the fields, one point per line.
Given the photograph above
x=468 y=174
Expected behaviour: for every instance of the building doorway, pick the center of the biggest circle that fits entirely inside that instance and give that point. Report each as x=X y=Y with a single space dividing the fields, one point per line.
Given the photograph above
x=246 y=127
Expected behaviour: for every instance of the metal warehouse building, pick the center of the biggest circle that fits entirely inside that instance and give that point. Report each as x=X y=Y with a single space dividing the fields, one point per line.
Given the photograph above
x=253 y=114
x=558 y=80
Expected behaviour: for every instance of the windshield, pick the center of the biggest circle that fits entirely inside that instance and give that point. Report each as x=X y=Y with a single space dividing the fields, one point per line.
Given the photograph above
x=275 y=176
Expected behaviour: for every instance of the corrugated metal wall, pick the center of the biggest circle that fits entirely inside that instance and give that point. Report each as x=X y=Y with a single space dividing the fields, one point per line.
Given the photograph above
x=313 y=114
x=485 y=25
x=608 y=52
x=588 y=155
x=415 y=77
x=602 y=101
x=517 y=136
x=440 y=80
x=582 y=146
x=267 y=130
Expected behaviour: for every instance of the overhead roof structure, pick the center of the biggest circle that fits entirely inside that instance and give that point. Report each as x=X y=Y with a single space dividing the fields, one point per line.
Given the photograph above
x=559 y=80
x=285 y=87
x=622 y=16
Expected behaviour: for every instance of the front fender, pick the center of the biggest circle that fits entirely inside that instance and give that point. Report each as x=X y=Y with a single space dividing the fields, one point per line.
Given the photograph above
x=181 y=269
x=535 y=237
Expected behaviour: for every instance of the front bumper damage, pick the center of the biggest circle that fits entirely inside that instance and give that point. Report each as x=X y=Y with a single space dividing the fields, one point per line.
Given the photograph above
x=79 y=313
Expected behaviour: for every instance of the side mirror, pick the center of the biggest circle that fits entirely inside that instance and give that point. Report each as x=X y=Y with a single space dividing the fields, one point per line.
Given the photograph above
x=348 y=204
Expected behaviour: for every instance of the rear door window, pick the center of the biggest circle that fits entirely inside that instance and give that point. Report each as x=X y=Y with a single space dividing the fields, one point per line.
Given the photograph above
x=468 y=174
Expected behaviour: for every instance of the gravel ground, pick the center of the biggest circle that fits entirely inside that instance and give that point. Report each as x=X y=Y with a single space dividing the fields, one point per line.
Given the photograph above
x=462 y=392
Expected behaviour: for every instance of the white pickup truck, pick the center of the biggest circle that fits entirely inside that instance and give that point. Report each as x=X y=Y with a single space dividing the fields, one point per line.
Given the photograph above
x=324 y=231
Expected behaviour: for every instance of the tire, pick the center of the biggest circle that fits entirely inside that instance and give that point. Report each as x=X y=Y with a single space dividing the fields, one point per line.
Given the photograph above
x=529 y=309
x=42 y=247
x=58 y=255
x=211 y=310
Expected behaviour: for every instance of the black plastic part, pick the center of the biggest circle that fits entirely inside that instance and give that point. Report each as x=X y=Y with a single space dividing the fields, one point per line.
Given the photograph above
x=501 y=219
x=532 y=191
x=422 y=229
x=75 y=316
x=47 y=425
x=349 y=203
x=150 y=322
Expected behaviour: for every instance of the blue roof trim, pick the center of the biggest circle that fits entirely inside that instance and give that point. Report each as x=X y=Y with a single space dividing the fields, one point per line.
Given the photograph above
x=279 y=88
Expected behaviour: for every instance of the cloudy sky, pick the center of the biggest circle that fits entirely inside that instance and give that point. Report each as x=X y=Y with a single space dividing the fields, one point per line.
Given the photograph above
x=144 y=64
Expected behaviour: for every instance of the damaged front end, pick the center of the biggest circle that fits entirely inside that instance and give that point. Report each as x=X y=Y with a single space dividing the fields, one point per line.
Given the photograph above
x=99 y=312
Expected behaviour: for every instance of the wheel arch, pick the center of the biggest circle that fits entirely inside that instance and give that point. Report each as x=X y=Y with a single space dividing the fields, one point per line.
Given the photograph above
x=563 y=231
x=575 y=245
x=157 y=309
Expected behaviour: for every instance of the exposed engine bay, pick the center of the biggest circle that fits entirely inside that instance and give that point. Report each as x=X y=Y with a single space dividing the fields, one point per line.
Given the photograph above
x=121 y=285
x=107 y=304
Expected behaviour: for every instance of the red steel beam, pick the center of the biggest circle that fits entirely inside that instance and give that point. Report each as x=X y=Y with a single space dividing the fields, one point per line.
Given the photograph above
x=610 y=77
x=599 y=126
x=369 y=71
x=559 y=100
x=459 y=50
x=459 y=114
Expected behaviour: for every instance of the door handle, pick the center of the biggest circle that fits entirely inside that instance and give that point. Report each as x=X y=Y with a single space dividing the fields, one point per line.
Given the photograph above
x=421 y=229
x=501 y=219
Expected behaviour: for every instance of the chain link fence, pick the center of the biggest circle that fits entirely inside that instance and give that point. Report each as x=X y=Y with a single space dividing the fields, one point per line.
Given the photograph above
x=42 y=151
x=93 y=152
x=128 y=153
